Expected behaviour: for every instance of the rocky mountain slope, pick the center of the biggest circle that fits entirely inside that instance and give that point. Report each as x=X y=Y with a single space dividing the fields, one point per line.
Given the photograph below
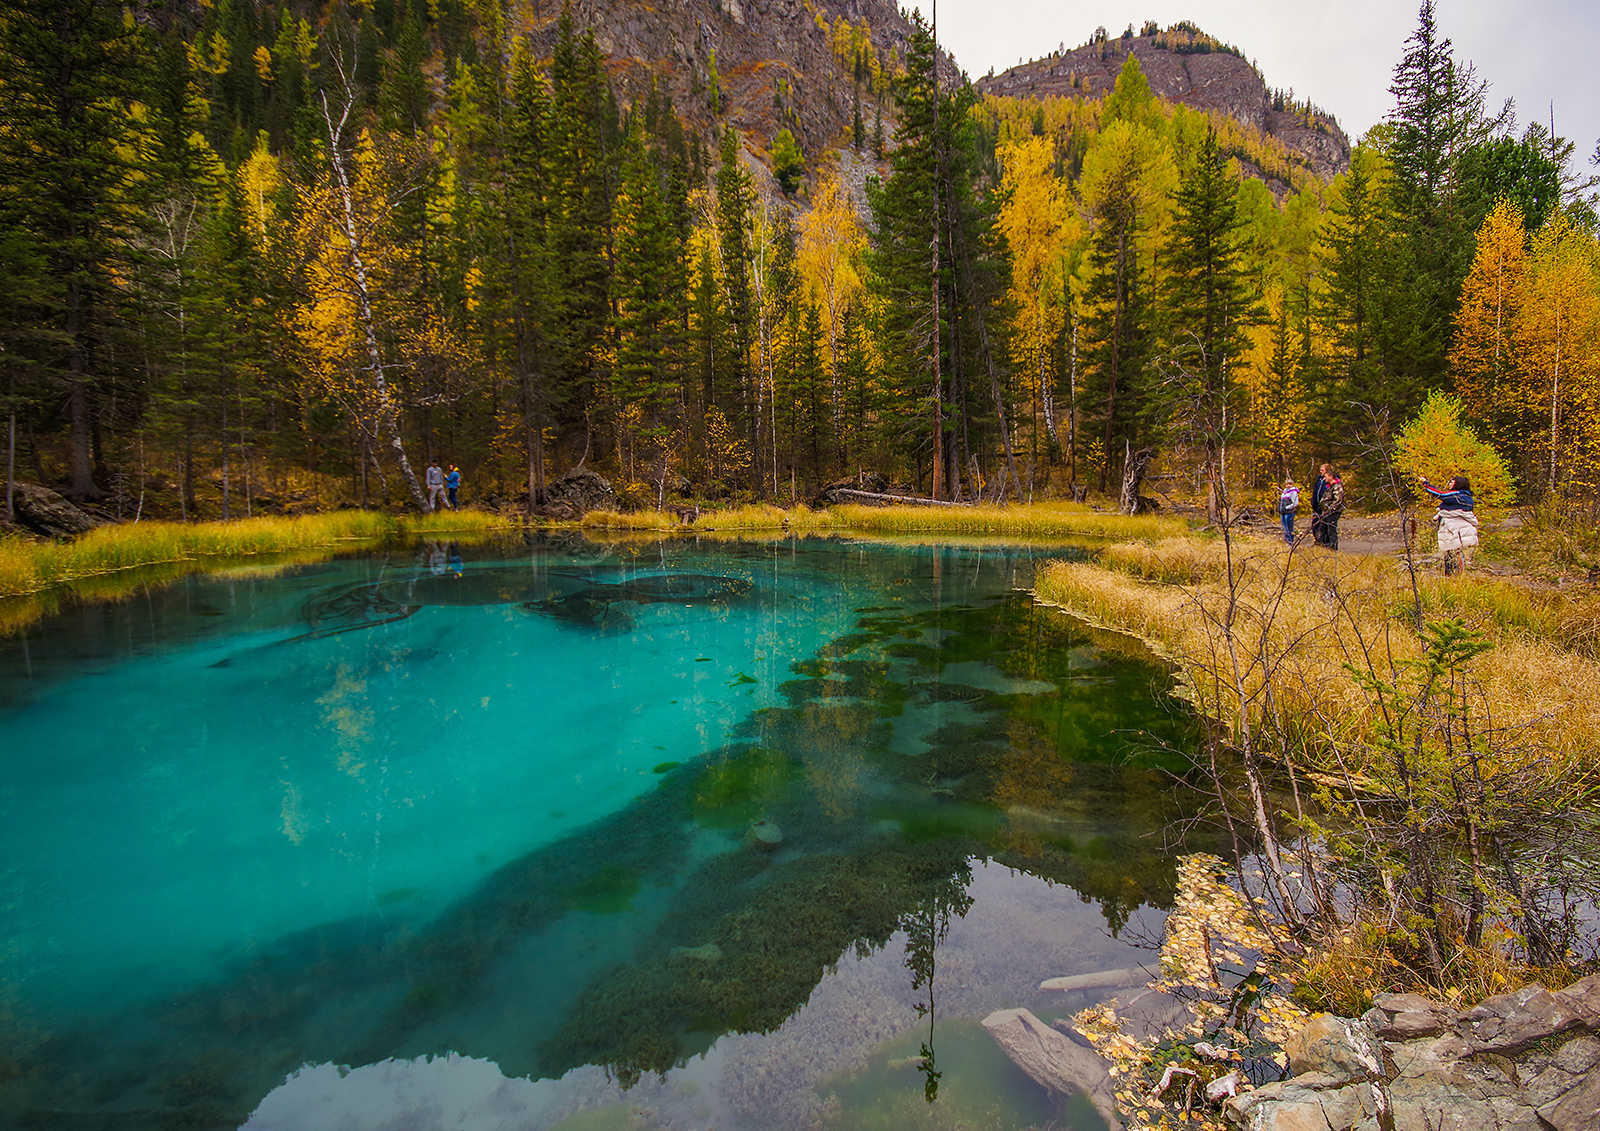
x=1186 y=66
x=761 y=65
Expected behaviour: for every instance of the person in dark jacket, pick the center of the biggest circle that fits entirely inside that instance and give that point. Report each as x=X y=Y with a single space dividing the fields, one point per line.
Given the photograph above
x=1332 y=506
x=1319 y=487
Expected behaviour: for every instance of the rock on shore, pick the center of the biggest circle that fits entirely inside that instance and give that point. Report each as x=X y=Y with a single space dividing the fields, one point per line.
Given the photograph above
x=1523 y=1061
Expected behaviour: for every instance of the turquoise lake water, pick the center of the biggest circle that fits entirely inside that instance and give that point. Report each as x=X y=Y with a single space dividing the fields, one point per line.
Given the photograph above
x=604 y=828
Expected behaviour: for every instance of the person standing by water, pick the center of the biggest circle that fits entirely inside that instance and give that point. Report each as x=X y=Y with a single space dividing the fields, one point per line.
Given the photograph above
x=435 y=484
x=452 y=484
x=1332 y=506
x=1288 y=503
x=1319 y=488
x=1458 y=524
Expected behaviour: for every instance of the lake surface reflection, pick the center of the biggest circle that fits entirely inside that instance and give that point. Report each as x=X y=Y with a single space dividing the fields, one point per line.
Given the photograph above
x=559 y=834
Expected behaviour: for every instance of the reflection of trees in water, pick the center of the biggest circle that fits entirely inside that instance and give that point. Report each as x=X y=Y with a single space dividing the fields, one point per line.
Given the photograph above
x=926 y=928
x=996 y=781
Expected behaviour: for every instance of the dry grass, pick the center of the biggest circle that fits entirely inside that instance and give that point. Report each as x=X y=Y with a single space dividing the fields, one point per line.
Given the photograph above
x=30 y=567
x=1316 y=614
x=1038 y=520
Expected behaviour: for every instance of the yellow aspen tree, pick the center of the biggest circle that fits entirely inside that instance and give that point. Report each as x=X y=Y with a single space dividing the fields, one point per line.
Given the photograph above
x=1039 y=225
x=829 y=260
x=1483 y=354
x=343 y=215
x=259 y=181
x=1277 y=401
x=1557 y=329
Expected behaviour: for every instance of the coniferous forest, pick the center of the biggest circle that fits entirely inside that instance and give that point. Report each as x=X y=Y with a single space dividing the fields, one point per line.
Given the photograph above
x=257 y=251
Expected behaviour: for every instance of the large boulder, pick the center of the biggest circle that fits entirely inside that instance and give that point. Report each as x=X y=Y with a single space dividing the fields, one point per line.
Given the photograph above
x=43 y=511
x=582 y=491
x=1512 y=1022
x=1523 y=1061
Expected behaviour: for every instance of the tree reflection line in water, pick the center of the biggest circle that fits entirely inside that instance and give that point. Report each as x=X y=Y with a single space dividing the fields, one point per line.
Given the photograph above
x=925 y=929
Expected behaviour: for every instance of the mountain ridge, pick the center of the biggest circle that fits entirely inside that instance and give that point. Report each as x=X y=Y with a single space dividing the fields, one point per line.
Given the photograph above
x=1184 y=65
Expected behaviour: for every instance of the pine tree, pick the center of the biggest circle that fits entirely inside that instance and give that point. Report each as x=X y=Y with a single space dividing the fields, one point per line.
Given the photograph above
x=734 y=199
x=1211 y=305
x=68 y=70
x=645 y=280
x=1124 y=187
x=934 y=270
x=1368 y=310
x=1438 y=116
x=582 y=122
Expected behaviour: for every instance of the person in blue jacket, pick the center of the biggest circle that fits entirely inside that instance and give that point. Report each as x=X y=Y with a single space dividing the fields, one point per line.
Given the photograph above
x=452 y=484
x=1458 y=524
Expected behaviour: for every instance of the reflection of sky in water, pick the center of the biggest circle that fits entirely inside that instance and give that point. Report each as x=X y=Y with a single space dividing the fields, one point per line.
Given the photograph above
x=1019 y=931
x=367 y=811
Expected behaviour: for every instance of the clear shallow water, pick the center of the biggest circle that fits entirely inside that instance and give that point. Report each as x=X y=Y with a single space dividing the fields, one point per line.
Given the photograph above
x=502 y=803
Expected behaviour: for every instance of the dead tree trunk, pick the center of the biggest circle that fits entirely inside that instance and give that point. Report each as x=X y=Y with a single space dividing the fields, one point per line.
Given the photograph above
x=1133 y=469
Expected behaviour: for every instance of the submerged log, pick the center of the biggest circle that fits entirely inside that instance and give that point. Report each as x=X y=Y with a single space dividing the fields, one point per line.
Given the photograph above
x=1097 y=980
x=1054 y=1062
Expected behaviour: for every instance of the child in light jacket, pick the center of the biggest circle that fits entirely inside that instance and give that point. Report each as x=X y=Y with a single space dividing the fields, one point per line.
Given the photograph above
x=1288 y=503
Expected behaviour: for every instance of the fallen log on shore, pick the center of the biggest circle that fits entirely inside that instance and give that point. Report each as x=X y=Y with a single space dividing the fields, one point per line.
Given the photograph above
x=849 y=494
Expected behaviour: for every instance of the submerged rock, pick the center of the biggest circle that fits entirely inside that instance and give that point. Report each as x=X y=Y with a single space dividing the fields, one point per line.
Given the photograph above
x=766 y=832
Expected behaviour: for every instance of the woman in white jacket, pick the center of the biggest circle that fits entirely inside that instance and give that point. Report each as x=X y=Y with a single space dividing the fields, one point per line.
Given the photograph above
x=1458 y=525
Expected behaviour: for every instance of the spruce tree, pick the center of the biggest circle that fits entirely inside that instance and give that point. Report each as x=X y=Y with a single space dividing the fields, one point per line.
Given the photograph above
x=1438 y=117
x=68 y=70
x=582 y=121
x=645 y=285
x=931 y=264
x=1211 y=304
x=734 y=199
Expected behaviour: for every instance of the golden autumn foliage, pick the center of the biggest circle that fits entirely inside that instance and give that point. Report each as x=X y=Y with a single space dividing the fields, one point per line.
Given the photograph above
x=1526 y=351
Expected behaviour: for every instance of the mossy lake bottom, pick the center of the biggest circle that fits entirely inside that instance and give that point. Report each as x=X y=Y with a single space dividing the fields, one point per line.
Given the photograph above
x=551 y=834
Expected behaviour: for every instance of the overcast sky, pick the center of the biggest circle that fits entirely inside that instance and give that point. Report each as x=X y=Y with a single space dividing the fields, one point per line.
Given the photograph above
x=1340 y=54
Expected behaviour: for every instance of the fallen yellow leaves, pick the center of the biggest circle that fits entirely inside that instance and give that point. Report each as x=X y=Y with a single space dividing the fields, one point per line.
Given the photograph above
x=1211 y=924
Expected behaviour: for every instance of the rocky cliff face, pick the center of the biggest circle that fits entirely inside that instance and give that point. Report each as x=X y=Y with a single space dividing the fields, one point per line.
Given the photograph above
x=1217 y=82
x=774 y=64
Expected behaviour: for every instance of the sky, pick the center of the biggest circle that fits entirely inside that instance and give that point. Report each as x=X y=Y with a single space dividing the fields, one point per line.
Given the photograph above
x=1339 y=54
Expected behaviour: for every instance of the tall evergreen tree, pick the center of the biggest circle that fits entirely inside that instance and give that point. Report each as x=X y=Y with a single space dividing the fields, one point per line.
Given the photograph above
x=1368 y=312
x=1212 y=303
x=1438 y=116
x=582 y=122
x=932 y=267
x=1124 y=189
x=68 y=71
x=645 y=284
x=734 y=199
